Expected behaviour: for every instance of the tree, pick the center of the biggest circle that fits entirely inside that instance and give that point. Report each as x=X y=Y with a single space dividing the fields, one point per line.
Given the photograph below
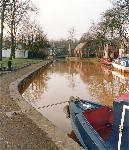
x=32 y=36
x=16 y=12
x=72 y=34
x=122 y=18
x=72 y=38
x=3 y=5
x=112 y=28
x=117 y=20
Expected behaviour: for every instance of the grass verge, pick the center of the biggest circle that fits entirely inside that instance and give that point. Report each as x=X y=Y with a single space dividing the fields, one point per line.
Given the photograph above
x=18 y=62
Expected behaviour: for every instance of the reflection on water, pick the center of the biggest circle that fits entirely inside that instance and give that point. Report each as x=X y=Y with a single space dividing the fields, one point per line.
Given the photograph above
x=64 y=79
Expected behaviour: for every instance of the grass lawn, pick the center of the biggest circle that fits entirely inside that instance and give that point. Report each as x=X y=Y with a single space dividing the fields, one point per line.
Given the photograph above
x=19 y=62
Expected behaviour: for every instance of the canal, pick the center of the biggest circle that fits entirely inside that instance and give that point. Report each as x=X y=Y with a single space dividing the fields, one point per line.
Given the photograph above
x=80 y=79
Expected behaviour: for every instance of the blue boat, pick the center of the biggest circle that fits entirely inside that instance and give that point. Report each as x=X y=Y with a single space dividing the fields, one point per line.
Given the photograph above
x=99 y=127
x=121 y=64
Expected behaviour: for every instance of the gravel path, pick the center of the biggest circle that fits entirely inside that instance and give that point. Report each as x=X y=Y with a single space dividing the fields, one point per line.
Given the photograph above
x=17 y=132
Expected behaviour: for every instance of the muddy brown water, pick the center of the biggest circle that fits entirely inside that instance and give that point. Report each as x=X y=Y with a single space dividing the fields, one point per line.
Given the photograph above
x=64 y=79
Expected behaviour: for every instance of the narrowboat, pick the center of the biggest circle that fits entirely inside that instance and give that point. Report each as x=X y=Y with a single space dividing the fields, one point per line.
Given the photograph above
x=100 y=127
x=121 y=64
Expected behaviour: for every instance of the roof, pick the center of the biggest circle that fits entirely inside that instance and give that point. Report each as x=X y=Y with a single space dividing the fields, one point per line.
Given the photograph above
x=80 y=46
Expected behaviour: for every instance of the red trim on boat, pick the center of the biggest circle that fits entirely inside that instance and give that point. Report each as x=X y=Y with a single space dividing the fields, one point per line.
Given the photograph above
x=123 y=97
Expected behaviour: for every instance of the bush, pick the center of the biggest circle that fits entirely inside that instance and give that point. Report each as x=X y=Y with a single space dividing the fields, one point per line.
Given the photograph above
x=37 y=54
x=90 y=56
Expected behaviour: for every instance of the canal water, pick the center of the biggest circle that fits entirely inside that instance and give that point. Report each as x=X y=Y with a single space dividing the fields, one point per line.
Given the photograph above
x=63 y=79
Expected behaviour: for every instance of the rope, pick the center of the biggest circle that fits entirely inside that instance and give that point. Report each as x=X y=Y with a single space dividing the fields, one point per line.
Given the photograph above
x=58 y=103
x=11 y=113
x=51 y=105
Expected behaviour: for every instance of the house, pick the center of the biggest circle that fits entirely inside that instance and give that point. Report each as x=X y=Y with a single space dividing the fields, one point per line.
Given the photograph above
x=79 y=50
x=83 y=50
x=18 y=53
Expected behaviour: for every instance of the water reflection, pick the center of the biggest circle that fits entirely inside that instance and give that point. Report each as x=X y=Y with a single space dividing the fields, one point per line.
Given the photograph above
x=123 y=80
x=64 y=79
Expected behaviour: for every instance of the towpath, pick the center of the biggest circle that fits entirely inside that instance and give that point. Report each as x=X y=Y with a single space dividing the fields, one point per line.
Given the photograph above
x=17 y=130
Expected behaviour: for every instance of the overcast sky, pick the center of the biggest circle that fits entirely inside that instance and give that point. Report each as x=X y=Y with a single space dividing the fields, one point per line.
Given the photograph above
x=58 y=16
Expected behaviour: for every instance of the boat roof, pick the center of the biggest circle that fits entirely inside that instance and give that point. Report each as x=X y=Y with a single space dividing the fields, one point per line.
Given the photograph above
x=124 y=58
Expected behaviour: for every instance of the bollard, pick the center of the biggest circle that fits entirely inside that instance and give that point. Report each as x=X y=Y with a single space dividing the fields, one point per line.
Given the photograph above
x=9 y=65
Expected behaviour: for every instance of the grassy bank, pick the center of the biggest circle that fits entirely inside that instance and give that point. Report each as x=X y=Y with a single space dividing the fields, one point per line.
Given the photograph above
x=18 y=62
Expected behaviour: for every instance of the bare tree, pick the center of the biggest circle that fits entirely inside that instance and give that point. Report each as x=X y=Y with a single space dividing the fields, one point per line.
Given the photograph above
x=112 y=28
x=72 y=34
x=3 y=5
x=15 y=14
x=72 y=38
x=32 y=36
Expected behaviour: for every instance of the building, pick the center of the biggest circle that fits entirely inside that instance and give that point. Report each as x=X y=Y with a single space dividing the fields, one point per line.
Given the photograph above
x=79 y=50
x=18 y=53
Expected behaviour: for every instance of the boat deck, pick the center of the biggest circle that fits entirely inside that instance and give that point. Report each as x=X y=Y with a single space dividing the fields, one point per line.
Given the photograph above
x=102 y=120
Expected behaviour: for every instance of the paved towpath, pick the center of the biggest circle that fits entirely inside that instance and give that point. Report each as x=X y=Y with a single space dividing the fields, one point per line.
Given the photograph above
x=17 y=132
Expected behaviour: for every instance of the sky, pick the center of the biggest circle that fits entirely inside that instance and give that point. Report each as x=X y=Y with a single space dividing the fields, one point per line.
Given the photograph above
x=57 y=17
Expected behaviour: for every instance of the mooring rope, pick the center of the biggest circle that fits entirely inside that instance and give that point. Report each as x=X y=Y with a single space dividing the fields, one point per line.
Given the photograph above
x=58 y=103
x=11 y=113
x=51 y=105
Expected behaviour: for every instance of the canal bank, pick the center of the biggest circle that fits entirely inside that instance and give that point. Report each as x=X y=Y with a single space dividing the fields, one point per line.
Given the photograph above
x=78 y=59
x=22 y=127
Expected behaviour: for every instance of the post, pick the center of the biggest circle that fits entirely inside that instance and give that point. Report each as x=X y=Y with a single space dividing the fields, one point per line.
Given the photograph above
x=9 y=65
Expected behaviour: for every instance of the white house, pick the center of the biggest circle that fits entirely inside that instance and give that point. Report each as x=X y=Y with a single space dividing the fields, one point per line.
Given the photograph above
x=18 y=53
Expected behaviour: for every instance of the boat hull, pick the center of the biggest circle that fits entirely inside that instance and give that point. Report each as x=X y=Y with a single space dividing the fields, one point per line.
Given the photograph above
x=86 y=134
x=120 y=67
x=91 y=120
